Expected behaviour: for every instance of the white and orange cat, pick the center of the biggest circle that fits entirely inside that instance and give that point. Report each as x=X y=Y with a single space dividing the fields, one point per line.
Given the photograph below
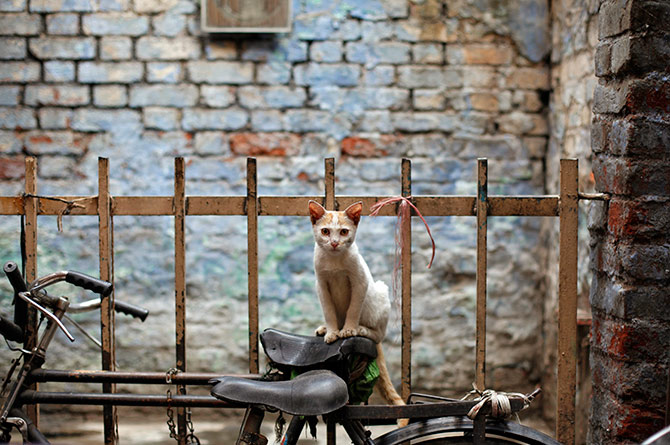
x=352 y=302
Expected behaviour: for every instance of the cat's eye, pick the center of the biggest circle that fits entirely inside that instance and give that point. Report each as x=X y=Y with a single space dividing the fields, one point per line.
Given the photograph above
x=344 y=232
x=325 y=232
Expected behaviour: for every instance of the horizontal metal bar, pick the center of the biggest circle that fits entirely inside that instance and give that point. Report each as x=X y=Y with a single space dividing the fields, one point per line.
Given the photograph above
x=182 y=378
x=417 y=411
x=541 y=205
x=74 y=398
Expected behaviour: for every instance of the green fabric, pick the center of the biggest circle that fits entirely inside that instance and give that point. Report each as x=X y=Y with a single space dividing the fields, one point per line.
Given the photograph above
x=360 y=390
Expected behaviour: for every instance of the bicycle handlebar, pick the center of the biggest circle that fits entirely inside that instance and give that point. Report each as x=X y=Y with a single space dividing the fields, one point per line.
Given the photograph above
x=131 y=309
x=11 y=331
x=20 y=307
x=87 y=282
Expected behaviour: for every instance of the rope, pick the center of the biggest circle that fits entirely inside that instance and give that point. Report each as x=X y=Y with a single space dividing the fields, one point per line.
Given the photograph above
x=501 y=407
x=64 y=211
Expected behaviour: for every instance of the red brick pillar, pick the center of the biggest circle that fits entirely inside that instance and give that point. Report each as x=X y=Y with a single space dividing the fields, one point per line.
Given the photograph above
x=630 y=296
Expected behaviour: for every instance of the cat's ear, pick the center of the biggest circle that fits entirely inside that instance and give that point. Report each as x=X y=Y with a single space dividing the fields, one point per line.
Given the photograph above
x=354 y=211
x=316 y=211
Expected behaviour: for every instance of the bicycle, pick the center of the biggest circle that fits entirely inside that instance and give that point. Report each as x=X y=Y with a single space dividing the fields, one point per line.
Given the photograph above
x=53 y=309
x=310 y=378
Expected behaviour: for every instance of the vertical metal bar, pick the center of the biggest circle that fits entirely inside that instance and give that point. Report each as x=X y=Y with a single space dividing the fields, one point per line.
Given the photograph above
x=30 y=212
x=252 y=262
x=482 y=232
x=406 y=286
x=330 y=433
x=107 y=303
x=567 y=302
x=482 y=217
x=329 y=165
x=180 y=281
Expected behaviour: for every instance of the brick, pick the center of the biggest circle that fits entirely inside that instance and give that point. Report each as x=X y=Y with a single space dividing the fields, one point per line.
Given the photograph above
x=347 y=30
x=603 y=59
x=12 y=48
x=420 y=77
x=55 y=118
x=427 y=53
x=379 y=75
x=629 y=301
x=12 y=168
x=115 y=23
x=433 y=99
x=264 y=144
x=66 y=95
x=217 y=96
x=267 y=120
x=313 y=27
x=113 y=5
x=640 y=14
x=424 y=121
x=61 y=6
x=59 y=71
x=480 y=54
x=163 y=119
x=169 y=24
x=327 y=51
x=313 y=74
x=110 y=96
x=110 y=72
x=376 y=31
x=153 y=6
x=203 y=119
x=259 y=50
x=293 y=50
x=41 y=142
x=166 y=48
x=20 y=24
x=631 y=177
x=17 y=118
x=179 y=96
x=232 y=73
x=480 y=76
x=211 y=142
x=368 y=10
x=95 y=120
x=273 y=73
x=116 y=48
x=300 y=121
x=631 y=341
x=396 y=9
x=376 y=121
x=640 y=136
x=384 y=98
x=56 y=167
x=649 y=96
x=528 y=78
x=220 y=50
x=10 y=144
x=484 y=102
x=164 y=72
x=361 y=148
x=613 y=19
x=9 y=95
x=63 y=47
x=271 y=97
x=63 y=24
x=13 y=5
x=522 y=123
x=422 y=31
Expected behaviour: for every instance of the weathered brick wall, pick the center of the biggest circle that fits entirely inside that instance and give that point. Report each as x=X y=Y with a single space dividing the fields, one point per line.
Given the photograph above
x=367 y=82
x=631 y=254
x=574 y=39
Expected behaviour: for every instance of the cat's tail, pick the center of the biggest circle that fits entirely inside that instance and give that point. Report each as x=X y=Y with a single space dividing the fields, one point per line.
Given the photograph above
x=384 y=384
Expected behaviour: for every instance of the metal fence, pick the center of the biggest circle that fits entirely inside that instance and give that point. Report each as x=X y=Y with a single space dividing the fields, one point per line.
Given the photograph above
x=564 y=205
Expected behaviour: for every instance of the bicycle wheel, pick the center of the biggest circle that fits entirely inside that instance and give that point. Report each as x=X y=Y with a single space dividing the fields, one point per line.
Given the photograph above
x=457 y=430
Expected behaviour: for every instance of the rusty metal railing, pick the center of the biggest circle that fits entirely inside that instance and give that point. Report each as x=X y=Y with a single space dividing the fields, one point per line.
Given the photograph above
x=482 y=206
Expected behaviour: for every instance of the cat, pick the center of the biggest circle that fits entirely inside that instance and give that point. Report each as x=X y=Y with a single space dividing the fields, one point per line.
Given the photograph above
x=352 y=302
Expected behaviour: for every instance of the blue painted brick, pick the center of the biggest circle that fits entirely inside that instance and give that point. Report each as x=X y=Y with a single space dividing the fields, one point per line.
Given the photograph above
x=13 y=5
x=59 y=71
x=117 y=121
x=375 y=31
x=327 y=51
x=233 y=73
x=346 y=30
x=165 y=72
x=63 y=47
x=9 y=95
x=313 y=27
x=368 y=10
x=55 y=118
x=123 y=24
x=12 y=48
x=116 y=48
x=17 y=118
x=169 y=24
x=274 y=73
x=217 y=96
x=110 y=72
x=313 y=74
x=63 y=24
x=184 y=95
x=20 y=24
x=203 y=119
x=164 y=119
x=379 y=75
x=20 y=72
x=267 y=120
x=61 y=6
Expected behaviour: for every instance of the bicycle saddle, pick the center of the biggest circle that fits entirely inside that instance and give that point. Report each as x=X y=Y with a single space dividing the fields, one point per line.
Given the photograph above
x=292 y=350
x=310 y=394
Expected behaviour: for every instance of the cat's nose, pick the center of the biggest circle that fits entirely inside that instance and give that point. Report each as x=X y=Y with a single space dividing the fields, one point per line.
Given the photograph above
x=334 y=244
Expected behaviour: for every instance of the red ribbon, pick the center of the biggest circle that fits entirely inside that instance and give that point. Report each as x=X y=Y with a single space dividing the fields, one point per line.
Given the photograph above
x=403 y=214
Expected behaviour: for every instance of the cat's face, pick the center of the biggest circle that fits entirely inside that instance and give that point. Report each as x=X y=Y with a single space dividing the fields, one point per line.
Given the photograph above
x=335 y=231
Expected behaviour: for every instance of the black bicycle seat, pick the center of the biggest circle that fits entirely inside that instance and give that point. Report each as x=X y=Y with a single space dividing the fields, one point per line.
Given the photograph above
x=292 y=350
x=310 y=394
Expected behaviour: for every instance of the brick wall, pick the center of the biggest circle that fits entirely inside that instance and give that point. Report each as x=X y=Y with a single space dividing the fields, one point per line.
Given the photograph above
x=366 y=82
x=631 y=251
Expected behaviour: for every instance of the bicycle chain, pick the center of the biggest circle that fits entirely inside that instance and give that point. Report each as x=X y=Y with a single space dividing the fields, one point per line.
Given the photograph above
x=191 y=438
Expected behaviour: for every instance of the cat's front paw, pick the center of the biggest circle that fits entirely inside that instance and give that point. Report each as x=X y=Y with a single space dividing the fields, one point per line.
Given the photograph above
x=321 y=331
x=331 y=336
x=348 y=332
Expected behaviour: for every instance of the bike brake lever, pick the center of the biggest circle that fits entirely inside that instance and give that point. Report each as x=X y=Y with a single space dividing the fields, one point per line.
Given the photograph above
x=47 y=313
